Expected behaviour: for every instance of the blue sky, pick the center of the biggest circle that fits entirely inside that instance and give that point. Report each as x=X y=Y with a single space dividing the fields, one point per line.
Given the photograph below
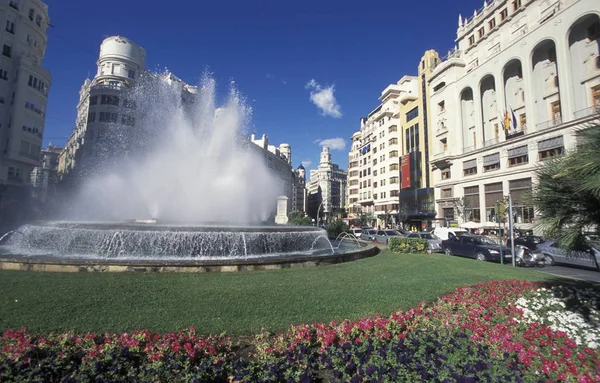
x=272 y=49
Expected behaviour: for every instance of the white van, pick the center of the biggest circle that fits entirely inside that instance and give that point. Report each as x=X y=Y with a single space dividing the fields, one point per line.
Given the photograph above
x=446 y=232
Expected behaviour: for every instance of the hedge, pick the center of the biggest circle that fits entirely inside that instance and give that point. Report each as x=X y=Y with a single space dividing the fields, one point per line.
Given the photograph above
x=408 y=245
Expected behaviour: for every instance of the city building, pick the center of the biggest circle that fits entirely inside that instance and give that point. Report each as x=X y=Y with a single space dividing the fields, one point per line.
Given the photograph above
x=417 y=206
x=24 y=86
x=45 y=176
x=374 y=158
x=326 y=199
x=279 y=161
x=299 y=192
x=524 y=76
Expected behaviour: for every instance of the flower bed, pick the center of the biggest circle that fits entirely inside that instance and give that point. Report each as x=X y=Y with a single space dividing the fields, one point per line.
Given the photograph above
x=496 y=331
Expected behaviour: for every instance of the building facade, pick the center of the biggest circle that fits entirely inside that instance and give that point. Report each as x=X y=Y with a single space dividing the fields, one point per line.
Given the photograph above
x=299 y=189
x=417 y=205
x=326 y=190
x=278 y=159
x=45 y=176
x=102 y=101
x=374 y=158
x=24 y=86
x=525 y=74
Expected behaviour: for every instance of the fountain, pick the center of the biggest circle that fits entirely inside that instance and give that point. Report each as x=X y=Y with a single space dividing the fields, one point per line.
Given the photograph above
x=184 y=188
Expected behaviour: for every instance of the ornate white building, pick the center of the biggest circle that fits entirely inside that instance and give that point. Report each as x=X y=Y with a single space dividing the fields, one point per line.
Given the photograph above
x=524 y=76
x=326 y=189
x=24 y=86
x=45 y=176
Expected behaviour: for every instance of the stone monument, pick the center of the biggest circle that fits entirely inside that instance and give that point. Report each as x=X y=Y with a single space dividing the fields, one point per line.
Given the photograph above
x=281 y=218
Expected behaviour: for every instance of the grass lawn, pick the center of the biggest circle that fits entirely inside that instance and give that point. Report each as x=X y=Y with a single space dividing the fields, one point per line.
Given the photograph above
x=236 y=303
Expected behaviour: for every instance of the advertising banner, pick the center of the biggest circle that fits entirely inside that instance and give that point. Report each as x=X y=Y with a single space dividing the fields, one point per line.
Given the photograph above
x=405 y=170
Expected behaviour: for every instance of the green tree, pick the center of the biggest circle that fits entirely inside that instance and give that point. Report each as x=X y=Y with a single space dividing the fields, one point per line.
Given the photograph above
x=461 y=207
x=568 y=194
x=296 y=217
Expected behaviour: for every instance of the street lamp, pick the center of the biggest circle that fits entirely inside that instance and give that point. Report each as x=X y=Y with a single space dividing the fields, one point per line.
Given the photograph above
x=318 y=211
x=499 y=230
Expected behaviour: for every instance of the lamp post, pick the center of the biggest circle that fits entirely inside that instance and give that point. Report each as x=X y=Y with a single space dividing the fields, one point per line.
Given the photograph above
x=510 y=227
x=500 y=231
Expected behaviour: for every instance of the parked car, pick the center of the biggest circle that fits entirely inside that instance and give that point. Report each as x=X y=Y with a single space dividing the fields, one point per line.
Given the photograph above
x=356 y=232
x=529 y=241
x=435 y=243
x=555 y=254
x=478 y=247
x=383 y=236
x=367 y=234
x=447 y=232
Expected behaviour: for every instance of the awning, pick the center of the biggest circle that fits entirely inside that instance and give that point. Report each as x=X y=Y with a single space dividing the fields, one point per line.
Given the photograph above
x=470 y=164
x=551 y=143
x=491 y=159
x=517 y=152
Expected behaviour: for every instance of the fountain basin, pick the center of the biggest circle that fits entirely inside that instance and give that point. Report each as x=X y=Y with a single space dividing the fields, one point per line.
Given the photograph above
x=77 y=246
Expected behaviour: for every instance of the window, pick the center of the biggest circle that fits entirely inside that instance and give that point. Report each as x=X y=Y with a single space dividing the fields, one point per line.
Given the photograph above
x=392 y=128
x=374 y=184
x=14 y=4
x=596 y=95
x=503 y=14
x=481 y=32
x=593 y=31
x=3 y=74
x=555 y=110
x=109 y=100
x=492 y=23
x=91 y=117
x=441 y=106
x=471 y=40
x=552 y=54
x=393 y=154
x=131 y=73
x=470 y=167
x=516 y=4
x=38 y=20
x=446 y=174
x=93 y=100
x=393 y=141
x=447 y=193
x=10 y=27
x=31 y=14
x=491 y=167
x=545 y=154
x=393 y=180
x=393 y=167
x=519 y=160
x=7 y=50
x=523 y=121
x=413 y=113
x=374 y=172
x=395 y=193
x=14 y=173
x=496 y=131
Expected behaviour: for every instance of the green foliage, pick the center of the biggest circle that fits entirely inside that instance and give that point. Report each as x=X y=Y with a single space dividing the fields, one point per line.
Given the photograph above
x=335 y=228
x=408 y=245
x=299 y=218
x=568 y=193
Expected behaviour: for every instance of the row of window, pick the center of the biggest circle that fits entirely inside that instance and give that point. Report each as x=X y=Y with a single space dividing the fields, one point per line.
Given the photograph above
x=492 y=22
x=31 y=106
x=15 y=4
x=31 y=130
x=111 y=117
x=37 y=84
x=112 y=100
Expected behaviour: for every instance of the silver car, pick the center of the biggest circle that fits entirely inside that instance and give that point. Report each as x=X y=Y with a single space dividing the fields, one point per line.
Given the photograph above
x=383 y=236
x=555 y=254
x=434 y=242
x=367 y=234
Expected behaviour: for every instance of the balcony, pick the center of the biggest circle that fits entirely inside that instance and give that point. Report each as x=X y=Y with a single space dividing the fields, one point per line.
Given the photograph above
x=549 y=124
x=441 y=159
x=587 y=112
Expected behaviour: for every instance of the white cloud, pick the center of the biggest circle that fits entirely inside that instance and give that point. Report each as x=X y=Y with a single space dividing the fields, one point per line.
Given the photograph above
x=324 y=99
x=306 y=163
x=270 y=75
x=337 y=143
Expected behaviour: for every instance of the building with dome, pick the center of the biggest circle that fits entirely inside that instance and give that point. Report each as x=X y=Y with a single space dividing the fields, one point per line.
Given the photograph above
x=326 y=190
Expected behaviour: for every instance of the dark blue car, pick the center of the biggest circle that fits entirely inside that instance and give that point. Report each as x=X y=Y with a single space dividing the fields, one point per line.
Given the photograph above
x=480 y=248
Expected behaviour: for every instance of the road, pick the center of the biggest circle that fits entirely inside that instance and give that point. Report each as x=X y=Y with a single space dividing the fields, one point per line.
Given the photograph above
x=571 y=272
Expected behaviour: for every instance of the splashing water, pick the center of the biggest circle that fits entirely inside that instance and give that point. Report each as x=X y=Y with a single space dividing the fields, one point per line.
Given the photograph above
x=184 y=160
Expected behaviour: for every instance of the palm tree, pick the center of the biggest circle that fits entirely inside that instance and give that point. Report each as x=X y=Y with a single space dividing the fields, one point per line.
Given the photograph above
x=568 y=194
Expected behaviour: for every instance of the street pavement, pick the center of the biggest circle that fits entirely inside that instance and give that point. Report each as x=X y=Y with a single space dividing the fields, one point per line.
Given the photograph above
x=571 y=272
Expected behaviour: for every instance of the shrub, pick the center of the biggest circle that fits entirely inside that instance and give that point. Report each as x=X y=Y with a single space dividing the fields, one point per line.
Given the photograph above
x=299 y=218
x=335 y=228
x=408 y=245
